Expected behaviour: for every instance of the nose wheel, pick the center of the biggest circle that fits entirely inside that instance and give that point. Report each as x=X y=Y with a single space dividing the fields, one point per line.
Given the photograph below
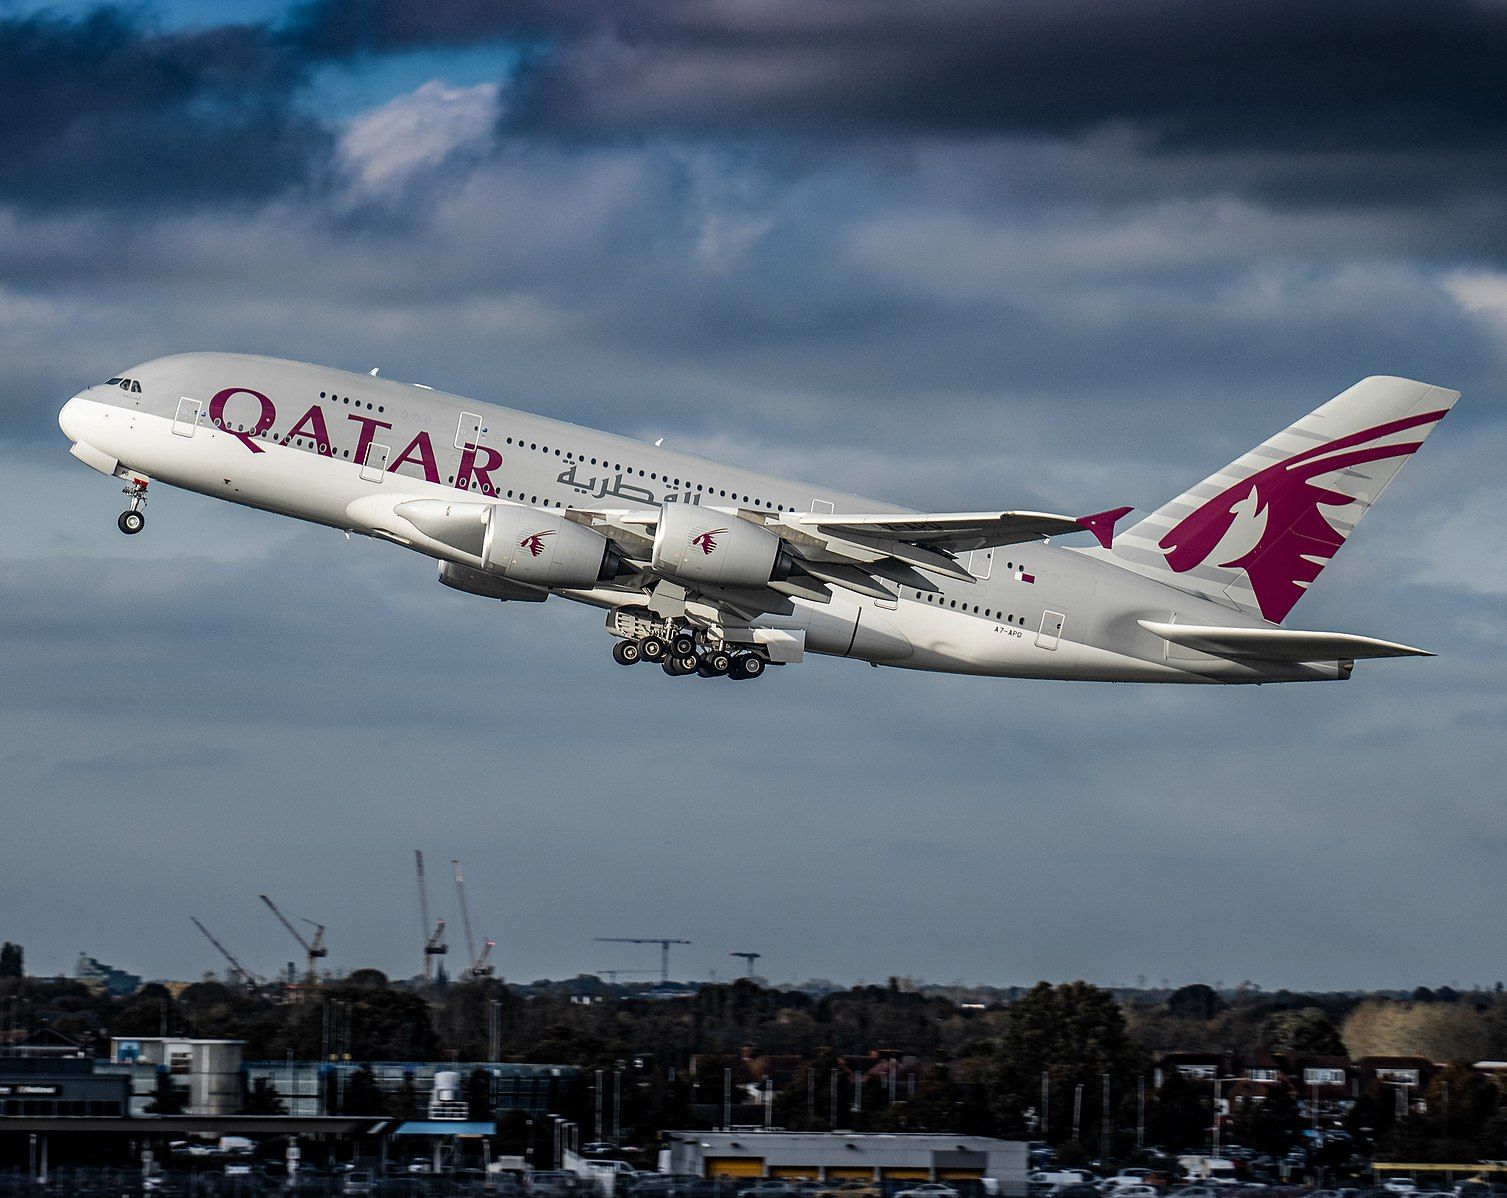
x=133 y=519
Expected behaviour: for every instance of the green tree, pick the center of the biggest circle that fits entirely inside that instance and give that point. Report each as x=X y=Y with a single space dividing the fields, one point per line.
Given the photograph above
x=1194 y=1002
x=1306 y=1031
x=167 y=1099
x=1074 y=1034
x=479 y=1095
x=363 y=1096
x=11 y=964
x=405 y=1103
x=1268 y=1122
x=1177 y=1118
x=264 y=1099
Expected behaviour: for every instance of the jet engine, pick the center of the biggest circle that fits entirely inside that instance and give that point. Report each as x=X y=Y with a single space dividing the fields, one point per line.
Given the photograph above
x=715 y=546
x=544 y=548
x=525 y=544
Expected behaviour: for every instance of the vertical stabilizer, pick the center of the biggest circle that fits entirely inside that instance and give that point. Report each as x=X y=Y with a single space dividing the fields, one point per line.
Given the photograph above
x=1256 y=534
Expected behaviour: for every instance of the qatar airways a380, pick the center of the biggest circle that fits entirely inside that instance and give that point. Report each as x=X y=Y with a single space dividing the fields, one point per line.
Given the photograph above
x=715 y=570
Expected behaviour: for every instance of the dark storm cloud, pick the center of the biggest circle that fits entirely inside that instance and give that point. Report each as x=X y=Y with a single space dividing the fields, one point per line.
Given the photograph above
x=104 y=110
x=1358 y=73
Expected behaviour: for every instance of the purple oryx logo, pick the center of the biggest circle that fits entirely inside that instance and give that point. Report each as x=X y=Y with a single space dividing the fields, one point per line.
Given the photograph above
x=534 y=542
x=707 y=541
x=1296 y=540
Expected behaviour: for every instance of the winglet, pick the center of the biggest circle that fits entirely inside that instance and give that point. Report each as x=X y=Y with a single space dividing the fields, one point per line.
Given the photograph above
x=1102 y=524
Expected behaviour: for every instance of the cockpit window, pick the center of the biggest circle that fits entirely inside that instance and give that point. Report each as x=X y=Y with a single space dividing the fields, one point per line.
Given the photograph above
x=130 y=385
x=135 y=386
x=114 y=382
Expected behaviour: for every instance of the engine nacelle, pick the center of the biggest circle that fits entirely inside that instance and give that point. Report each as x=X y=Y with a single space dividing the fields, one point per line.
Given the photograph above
x=715 y=546
x=545 y=549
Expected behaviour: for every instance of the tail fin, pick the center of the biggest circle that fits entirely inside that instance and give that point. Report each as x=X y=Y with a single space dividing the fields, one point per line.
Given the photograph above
x=1257 y=533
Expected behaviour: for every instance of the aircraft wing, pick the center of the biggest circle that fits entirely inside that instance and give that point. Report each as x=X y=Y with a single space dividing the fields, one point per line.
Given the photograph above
x=869 y=554
x=1279 y=644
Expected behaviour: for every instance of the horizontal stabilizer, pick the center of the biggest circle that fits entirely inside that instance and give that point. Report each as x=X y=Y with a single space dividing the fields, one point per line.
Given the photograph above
x=1278 y=644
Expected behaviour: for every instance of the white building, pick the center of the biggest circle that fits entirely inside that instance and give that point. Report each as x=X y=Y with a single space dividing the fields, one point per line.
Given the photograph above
x=208 y=1070
x=999 y=1166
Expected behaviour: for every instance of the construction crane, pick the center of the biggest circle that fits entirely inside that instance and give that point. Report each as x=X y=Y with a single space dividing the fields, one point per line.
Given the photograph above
x=479 y=967
x=750 y=958
x=248 y=979
x=664 y=943
x=313 y=949
x=434 y=942
x=612 y=974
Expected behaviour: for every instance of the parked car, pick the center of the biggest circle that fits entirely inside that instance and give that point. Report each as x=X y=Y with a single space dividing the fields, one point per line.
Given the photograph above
x=767 y=1187
x=1059 y=1177
x=357 y=1183
x=928 y=1189
x=1400 y=1185
x=850 y=1189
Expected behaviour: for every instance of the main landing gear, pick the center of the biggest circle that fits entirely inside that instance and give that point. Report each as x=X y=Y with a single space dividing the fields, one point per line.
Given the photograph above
x=133 y=519
x=680 y=657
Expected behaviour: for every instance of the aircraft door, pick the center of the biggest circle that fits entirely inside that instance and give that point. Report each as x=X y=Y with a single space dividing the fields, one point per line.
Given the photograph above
x=187 y=418
x=374 y=465
x=469 y=430
x=1050 y=631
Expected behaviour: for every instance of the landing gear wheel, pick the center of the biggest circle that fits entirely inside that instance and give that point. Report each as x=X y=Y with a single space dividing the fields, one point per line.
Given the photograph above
x=704 y=670
x=131 y=522
x=683 y=644
x=681 y=666
x=627 y=653
x=651 y=648
x=716 y=664
x=746 y=665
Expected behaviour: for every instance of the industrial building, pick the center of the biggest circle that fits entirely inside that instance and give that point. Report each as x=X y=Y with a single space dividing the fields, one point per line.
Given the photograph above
x=59 y=1087
x=999 y=1166
x=209 y=1072
x=304 y=1086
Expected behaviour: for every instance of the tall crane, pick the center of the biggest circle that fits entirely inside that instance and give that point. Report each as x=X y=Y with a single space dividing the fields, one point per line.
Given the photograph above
x=478 y=967
x=434 y=942
x=313 y=949
x=664 y=943
x=248 y=979
x=750 y=958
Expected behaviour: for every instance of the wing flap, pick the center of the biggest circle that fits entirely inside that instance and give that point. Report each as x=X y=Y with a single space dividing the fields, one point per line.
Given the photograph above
x=951 y=531
x=1278 y=644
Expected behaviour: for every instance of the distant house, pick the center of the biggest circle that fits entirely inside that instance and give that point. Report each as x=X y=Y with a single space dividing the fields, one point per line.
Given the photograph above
x=1195 y=1066
x=43 y=1042
x=1397 y=1071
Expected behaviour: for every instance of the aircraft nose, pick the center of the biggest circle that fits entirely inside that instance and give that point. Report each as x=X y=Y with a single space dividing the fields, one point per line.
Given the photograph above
x=68 y=418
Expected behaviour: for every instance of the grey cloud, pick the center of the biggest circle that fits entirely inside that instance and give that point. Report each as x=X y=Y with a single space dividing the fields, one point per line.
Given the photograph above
x=104 y=110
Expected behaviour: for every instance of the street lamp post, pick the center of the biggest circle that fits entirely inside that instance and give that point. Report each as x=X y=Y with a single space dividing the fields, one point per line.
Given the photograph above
x=1218 y=1115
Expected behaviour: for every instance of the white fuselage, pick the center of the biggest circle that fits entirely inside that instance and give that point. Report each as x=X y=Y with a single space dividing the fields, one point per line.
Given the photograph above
x=344 y=450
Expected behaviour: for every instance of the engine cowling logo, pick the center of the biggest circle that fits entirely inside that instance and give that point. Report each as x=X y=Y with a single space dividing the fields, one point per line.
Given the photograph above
x=534 y=542
x=707 y=541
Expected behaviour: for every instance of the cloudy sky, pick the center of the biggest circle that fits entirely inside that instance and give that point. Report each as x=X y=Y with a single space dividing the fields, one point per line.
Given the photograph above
x=973 y=254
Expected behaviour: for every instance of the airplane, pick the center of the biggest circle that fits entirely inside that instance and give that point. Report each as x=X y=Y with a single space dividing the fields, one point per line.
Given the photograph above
x=714 y=570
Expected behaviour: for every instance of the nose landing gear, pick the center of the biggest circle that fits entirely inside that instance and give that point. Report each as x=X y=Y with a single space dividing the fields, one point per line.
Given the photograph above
x=133 y=519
